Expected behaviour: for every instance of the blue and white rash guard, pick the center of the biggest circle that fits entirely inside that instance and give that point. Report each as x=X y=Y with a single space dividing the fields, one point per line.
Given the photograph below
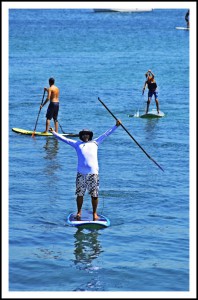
x=87 y=151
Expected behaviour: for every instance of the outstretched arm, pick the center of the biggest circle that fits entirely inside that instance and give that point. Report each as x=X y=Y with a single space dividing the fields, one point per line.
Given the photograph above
x=63 y=138
x=101 y=138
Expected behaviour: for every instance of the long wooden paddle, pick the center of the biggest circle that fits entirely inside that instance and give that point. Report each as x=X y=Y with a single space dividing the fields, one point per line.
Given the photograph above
x=38 y=115
x=131 y=135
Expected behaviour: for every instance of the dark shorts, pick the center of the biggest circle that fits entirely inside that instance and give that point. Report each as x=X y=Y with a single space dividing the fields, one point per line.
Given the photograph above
x=151 y=93
x=52 y=111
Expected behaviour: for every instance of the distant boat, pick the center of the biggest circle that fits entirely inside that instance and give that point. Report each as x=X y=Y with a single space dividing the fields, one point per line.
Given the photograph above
x=122 y=10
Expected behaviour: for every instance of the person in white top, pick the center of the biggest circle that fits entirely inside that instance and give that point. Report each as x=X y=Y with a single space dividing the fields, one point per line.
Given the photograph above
x=87 y=170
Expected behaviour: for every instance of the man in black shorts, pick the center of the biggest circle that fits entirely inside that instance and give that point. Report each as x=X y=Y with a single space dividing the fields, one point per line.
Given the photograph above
x=53 y=108
x=152 y=89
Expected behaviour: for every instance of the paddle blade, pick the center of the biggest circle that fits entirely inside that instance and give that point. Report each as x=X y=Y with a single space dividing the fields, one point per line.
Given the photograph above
x=33 y=134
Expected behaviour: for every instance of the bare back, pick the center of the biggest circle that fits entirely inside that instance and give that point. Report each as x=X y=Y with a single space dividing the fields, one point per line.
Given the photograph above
x=53 y=93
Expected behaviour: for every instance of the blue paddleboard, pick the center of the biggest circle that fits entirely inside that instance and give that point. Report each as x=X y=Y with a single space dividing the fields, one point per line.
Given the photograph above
x=86 y=220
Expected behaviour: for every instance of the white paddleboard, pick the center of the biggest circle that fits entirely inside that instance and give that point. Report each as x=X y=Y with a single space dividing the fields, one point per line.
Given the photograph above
x=182 y=28
x=153 y=114
x=86 y=221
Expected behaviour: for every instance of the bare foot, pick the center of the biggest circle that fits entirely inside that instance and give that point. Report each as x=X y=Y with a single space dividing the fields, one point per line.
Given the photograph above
x=95 y=217
x=77 y=217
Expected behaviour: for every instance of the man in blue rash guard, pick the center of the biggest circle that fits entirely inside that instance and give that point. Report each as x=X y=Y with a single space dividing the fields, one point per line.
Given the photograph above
x=87 y=169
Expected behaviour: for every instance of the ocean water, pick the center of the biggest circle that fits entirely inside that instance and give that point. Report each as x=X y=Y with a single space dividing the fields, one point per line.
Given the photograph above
x=91 y=55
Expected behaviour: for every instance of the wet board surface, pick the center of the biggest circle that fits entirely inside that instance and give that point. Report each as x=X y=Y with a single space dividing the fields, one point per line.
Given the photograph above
x=86 y=220
x=38 y=133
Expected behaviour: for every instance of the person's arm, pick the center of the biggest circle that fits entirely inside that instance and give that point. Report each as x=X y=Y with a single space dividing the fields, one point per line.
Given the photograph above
x=48 y=97
x=149 y=71
x=101 y=138
x=145 y=84
x=63 y=138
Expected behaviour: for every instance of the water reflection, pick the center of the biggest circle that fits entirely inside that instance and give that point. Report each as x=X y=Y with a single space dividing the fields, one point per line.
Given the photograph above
x=51 y=149
x=151 y=128
x=51 y=146
x=87 y=249
x=150 y=124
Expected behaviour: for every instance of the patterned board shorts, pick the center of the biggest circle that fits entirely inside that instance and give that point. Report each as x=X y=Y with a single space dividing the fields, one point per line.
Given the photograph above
x=89 y=182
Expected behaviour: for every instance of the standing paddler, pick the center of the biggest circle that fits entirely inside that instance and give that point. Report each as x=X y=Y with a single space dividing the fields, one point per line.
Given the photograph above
x=53 y=107
x=87 y=177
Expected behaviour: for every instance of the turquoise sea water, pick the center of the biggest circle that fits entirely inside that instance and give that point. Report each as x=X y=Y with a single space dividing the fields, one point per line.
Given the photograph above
x=91 y=55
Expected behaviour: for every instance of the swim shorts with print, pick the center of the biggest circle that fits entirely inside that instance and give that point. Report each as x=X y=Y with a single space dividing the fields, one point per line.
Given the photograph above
x=89 y=182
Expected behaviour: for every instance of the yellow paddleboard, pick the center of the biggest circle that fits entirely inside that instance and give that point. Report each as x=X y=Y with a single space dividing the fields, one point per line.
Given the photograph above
x=38 y=133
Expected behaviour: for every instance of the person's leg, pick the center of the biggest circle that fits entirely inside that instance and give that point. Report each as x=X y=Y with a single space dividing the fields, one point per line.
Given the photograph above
x=156 y=101
x=93 y=188
x=79 y=201
x=94 y=206
x=157 y=105
x=56 y=125
x=55 y=116
x=49 y=115
x=80 y=191
x=47 y=125
x=148 y=103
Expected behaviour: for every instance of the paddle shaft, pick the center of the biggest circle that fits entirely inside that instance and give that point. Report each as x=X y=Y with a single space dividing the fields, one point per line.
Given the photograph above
x=38 y=114
x=130 y=135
